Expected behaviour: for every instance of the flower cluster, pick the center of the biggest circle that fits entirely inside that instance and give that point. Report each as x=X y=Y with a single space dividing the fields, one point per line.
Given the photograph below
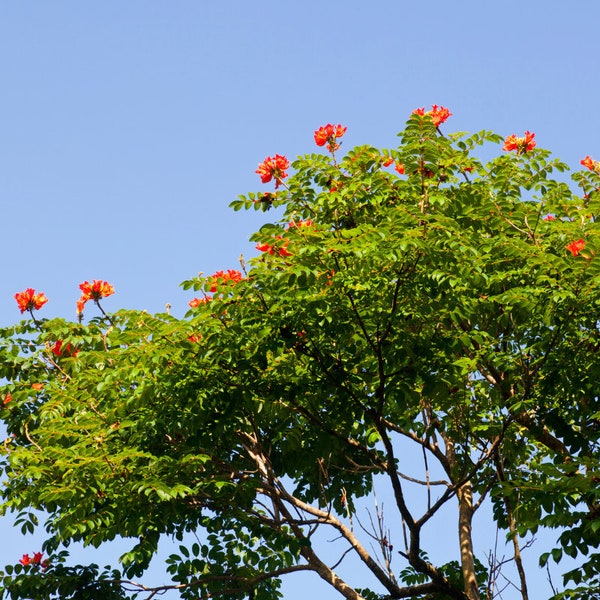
x=224 y=277
x=576 y=247
x=231 y=276
x=438 y=114
x=59 y=350
x=398 y=166
x=272 y=249
x=93 y=291
x=329 y=135
x=520 y=144
x=589 y=163
x=36 y=559
x=196 y=302
x=300 y=223
x=273 y=167
x=282 y=248
x=29 y=300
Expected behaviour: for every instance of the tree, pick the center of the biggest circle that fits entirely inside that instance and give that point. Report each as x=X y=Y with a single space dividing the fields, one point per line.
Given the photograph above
x=404 y=298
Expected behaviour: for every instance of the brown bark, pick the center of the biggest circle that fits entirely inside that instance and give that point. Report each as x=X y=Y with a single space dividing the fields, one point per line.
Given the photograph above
x=465 y=518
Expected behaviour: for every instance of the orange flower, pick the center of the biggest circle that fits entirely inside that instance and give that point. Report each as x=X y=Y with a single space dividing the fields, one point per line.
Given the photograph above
x=273 y=168
x=59 y=350
x=283 y=251
x=398 y=166
x=93 y=291
x=520 y=144
x=222 y=277
x=264 y=247
x=576 y=247
x=196 y=302
x=329 y=134
x=270 y=249
x=8 y=398
x=37 y=386
x=300 y=223
x=591 y=164
x=29 y=300
x=330 y=277
x=194 y=338
x=25 y=560
x=438 y=114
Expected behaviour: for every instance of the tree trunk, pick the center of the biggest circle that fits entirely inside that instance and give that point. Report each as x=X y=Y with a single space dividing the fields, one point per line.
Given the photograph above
x=465 y=517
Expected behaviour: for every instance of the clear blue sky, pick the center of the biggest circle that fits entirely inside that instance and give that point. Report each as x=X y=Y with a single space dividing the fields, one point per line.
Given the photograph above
x=127 y=127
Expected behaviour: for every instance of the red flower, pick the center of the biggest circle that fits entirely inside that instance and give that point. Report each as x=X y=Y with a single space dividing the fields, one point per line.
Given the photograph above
x=549 y=218
x=329 y=134
x=222 y=277
x=398 y=166
x=93 y=291
x=576 y=247
x=273 y=168
x=59 y=351
x=270 y=249
x=194 y=338
x=283 y=251
x=520 y=144
x=511 y=142
x=29 y=300
x=438 y=114
x=264 y=247
x=591 y=164
x=196 y=302
x=300 y=223
x=26 y=560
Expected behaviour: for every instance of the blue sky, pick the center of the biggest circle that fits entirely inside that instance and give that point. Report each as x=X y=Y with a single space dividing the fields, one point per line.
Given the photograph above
x=126 y=128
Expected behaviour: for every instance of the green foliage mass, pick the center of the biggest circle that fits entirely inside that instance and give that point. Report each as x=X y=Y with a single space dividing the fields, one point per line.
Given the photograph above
x=438 y=308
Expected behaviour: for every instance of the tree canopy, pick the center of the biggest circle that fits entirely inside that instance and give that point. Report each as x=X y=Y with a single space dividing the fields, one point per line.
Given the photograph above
x=417 y=320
